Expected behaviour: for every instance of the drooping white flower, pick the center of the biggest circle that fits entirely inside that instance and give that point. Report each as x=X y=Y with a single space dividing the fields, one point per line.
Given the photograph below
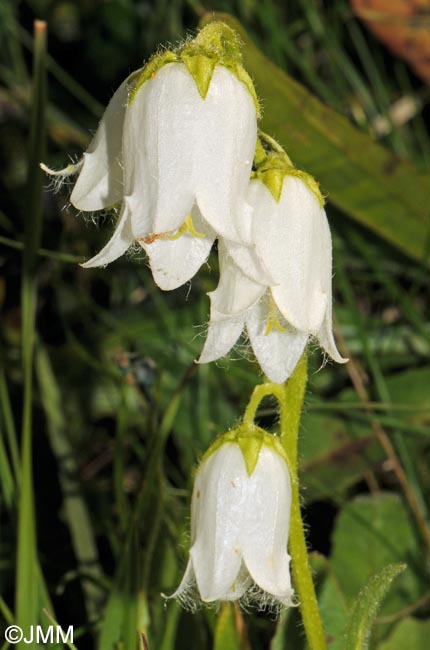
x=177 y=138
x=240 y=517
x=278 y=287
x=293 y=241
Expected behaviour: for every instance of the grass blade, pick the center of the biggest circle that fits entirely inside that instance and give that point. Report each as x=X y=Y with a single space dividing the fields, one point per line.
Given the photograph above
x=75 y=510
x=27 y=593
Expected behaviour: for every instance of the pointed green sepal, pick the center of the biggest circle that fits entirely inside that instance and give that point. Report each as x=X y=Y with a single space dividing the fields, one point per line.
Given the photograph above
x=201 y=67
x=216 y=44
x=273 y=179
x=272 y=170
x=250 y=447
x=250 y=439
x=272 y=164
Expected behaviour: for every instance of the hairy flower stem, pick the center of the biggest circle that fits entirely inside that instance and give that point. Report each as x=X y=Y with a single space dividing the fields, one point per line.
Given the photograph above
x=290 y=399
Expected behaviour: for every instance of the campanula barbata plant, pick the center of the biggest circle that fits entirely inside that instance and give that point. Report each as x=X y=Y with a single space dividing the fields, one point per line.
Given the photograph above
x=179 y=157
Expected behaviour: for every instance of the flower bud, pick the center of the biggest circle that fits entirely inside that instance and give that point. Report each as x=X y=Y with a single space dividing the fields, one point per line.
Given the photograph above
x=240 y=518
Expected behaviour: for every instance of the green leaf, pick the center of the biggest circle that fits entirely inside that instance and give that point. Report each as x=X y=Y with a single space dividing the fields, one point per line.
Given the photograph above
x=366 y=607
x=126 y=611
x=409 y=633
x=366 y=181
x=226 y=634
x=411 y=387
x=372 y=532
x=331 y=601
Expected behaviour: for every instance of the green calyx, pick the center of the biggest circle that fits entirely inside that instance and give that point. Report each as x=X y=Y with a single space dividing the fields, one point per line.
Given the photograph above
x=215 y=44
x=271 y=165
x=250 y=439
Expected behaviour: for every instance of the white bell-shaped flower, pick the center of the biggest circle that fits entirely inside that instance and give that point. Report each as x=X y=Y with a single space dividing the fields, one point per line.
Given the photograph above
x=293 y=241
x=177 y=138
x=239 y=530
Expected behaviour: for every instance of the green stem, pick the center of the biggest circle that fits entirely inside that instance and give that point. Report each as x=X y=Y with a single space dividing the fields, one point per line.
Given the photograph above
x=55 y=255
x=291 y=407
x=62 y=76
x=290 y=397
x=26 y=572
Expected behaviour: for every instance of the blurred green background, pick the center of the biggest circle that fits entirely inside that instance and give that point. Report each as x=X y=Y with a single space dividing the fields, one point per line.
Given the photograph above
x=121 y=413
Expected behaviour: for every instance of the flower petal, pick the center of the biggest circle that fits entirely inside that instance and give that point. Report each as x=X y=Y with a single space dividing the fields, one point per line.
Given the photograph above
x=117 y=245
x=100 y=182
x=186 y=584
x=326 y=338
x=221 y=337
x=241 y=584
x=265 y=526
x=175 y=261
x=236 y=292
x=278 y=352
x=217 y=510
x=246 y=258
x=227 y=133
x=291 y=238
x=159 y=144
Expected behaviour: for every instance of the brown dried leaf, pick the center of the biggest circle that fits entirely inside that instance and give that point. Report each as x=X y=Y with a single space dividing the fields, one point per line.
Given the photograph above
x=403 y=26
